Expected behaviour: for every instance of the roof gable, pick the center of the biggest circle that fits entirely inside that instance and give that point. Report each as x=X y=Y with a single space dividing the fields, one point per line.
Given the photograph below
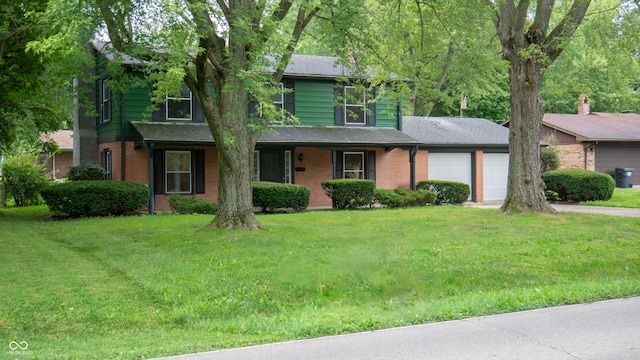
x=596 y=126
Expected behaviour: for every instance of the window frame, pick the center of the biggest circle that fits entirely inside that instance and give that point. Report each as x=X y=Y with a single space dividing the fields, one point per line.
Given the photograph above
x=105 y=100
x=107 y=163
x=361 y=106
x=167 y=171
x=288 y=166
x=362 y=170
x=179 y=99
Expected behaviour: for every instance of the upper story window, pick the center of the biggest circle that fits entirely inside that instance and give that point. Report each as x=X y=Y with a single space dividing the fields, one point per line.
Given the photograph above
x=179 y=106
x=355 y=106
x=278 y=99
x=105 y=103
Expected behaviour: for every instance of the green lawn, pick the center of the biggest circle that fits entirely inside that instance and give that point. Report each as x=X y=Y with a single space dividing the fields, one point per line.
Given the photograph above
x=148 y=286
x=629 y=198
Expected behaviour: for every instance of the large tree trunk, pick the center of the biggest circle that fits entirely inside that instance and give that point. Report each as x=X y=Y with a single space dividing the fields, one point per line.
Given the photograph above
x=235 y=141
x=525 y=191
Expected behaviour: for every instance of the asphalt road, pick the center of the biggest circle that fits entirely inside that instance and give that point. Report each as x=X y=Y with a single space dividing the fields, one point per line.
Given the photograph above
x=604 y=330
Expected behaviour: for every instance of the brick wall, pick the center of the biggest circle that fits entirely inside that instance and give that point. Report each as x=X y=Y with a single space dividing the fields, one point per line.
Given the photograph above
x=63 y=162
x=573 y=156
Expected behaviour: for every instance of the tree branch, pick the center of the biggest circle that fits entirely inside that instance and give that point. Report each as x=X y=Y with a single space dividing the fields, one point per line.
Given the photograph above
x=552 y=44
x=538 y=30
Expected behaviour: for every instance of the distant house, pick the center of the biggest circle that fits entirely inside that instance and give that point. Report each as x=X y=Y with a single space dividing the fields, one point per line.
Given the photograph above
x=58 y=165
x=596 y=141
x=472 y=151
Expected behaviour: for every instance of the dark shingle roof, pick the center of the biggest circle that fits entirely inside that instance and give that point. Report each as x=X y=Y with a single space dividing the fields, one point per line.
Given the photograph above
x=292 y=135
x=443 y=131
x=299 y=66
x=597 y=126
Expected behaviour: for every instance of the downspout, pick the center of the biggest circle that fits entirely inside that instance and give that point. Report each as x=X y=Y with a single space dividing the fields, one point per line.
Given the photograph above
x=123 y=140
x=152 y=185
x=412 y=167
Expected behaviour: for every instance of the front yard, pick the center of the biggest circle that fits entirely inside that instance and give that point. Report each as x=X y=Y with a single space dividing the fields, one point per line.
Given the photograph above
x=149 y=286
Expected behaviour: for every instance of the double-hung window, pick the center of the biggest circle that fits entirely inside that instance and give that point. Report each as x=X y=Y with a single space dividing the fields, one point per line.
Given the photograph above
x=278 y=98
x=105 y=103
x=179 y=106
x=178 y=172
x=353 y=163
x=354 y=106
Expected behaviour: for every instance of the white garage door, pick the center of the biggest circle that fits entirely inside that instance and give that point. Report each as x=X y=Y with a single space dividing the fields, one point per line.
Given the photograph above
x=450 y=166
x=495 y=175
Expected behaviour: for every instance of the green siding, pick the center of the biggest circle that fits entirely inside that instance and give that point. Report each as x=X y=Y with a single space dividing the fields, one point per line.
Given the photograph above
x=314 y=102
x=387 y=112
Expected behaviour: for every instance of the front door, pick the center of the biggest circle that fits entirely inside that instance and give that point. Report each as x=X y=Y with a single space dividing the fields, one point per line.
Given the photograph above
x=272 y=166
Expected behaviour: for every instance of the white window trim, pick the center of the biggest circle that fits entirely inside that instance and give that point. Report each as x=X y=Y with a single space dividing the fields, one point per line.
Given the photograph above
x=105 y=100
x=179 y=99
x=167 y=172
x=108 y=164
x=347 y=119
x=344 y=163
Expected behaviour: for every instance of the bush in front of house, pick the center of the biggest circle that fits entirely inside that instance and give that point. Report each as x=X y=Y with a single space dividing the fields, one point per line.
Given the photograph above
x=447 y=192
x=270 y=196
x=95 y=197
x=23 y=177
x=191 y=205
x=349 y=193
x=403 y=197
x=579 y=184
x=86 y=171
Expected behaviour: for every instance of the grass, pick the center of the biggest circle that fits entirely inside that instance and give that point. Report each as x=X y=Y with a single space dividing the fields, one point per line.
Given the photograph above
x=149 y=286
x=628 y=198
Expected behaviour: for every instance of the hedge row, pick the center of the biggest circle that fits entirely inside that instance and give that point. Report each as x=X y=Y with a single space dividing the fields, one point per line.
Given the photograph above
x=579 y=184
x=191 y=205
x=403 y=197
x=447 y=192
x=95 y=197
x=349 y=193
x=270 y=196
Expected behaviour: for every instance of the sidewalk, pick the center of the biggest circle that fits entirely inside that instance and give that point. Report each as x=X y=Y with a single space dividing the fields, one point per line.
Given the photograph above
x=595 y=331
x=603 y=210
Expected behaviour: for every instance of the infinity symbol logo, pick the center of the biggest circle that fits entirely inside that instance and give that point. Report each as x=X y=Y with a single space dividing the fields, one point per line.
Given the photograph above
x=14 y=345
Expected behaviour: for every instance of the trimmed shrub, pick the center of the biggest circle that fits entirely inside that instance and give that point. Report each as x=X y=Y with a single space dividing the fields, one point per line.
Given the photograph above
x=24 y=178
x=447 y=192
x=191 y=205
x=95 y=197
x=403 y=197
x=86 y=172
x=349 y=193
x=388 y=198
x=579 y=184
x=271 y=196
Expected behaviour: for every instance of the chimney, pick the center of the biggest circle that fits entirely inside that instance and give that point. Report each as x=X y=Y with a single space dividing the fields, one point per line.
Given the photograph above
x=583 y=105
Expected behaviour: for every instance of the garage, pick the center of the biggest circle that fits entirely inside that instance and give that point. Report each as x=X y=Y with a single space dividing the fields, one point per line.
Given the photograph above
x=450 y=166
x=610 y=157
x=495 y=176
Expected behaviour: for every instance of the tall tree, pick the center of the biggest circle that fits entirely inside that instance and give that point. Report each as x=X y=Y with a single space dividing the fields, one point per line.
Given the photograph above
x=237 y=48
x=33 y=98
x=533 y=35
x=601 y=61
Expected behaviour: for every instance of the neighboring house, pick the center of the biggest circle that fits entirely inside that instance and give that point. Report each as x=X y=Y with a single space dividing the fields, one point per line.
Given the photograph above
x=58 y=165
x=595 y=141
x=172 y=150
x=472 y=151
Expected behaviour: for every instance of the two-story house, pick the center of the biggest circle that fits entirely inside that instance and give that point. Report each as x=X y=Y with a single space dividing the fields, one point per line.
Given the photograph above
x=341 y=133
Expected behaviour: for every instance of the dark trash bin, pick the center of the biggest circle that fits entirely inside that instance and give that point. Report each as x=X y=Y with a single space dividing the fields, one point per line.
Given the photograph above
x=623 y=177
